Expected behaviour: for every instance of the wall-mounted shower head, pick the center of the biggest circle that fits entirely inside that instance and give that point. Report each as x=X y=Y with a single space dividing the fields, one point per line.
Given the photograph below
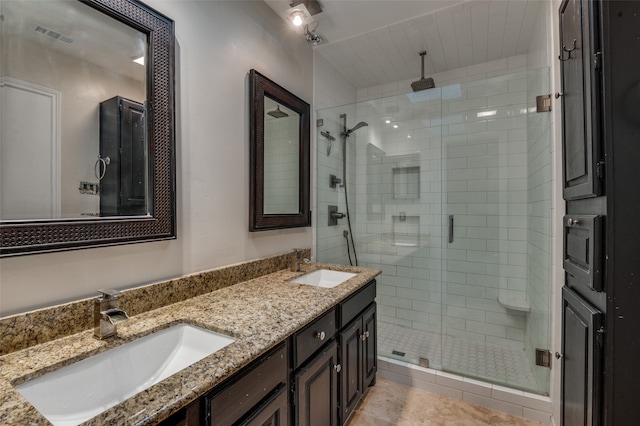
x=354 y=128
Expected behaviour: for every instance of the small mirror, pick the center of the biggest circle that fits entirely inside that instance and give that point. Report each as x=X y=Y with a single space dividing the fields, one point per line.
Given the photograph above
x=279 y=163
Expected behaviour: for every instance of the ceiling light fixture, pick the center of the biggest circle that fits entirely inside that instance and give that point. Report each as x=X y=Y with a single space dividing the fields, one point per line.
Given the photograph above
x=299 y=15
x=297 y=18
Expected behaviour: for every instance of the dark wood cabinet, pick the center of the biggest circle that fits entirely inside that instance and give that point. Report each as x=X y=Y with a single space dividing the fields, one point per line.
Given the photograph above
x=584 y=249
x=582 y=347
x=123 y=153
x=274 y=411
x=351 y=382
x=580 y=59
x=244 y=395
x=191 y=415
x=316 y=389
x=601 y=124
x=358 y=356
x=356 y=362
x=370 y=346
x=311 y=338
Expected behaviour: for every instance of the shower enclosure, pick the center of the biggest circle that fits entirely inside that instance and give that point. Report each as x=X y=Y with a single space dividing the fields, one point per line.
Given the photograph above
x=449 y=194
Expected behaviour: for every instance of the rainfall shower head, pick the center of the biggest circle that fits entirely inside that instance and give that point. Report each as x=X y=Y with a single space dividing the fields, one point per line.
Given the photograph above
x=276 y=113
x=356 y=127
x=423 y=83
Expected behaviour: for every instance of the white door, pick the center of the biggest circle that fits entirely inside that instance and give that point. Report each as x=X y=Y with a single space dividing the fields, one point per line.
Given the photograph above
x=29 y=151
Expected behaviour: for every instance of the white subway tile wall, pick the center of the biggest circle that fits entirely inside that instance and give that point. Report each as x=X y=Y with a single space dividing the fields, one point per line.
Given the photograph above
x=281 y=166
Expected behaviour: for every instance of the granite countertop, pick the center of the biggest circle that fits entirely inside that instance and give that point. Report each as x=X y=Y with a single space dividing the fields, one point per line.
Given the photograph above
x=259 y=314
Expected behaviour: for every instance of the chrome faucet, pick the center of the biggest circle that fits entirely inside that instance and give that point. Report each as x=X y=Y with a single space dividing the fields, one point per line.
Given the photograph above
x=297 y=260
x=106 y=314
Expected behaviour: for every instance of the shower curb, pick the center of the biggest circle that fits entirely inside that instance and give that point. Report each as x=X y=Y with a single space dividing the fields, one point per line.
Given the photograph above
x=518 y=403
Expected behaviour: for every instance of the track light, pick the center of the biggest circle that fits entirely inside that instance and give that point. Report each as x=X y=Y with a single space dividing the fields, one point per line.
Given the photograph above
x=299 y=15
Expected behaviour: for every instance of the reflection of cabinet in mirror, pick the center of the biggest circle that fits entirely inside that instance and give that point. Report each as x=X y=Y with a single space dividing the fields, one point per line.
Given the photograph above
x=122 y=140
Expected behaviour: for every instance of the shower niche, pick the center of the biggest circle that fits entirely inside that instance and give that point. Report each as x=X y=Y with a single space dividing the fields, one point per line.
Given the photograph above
x=406 y=183
x=405 y=230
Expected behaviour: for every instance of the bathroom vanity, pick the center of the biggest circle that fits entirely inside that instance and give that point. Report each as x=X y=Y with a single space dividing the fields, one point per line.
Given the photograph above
x=301 y=354
x=315 y=377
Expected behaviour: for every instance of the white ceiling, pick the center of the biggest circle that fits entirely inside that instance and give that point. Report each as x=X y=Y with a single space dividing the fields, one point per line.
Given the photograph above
x=90 y=35
x=374 y=42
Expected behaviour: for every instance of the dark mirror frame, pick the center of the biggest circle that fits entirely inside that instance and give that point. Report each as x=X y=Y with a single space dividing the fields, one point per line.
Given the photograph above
x=42 y=236
x=259 y=87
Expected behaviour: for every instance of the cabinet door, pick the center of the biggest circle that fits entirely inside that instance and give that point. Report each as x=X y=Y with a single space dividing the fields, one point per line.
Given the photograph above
x=581 y=362
x=228 y=403
x=580 y=70
x=274 y=412
x=189 y=416
x=316 y=390
x=369 y=347
x=133 y=154
x=351 y=384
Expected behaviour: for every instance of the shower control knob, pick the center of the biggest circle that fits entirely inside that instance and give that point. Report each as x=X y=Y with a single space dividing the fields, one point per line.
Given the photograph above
x=320 y=335
x=571 y=222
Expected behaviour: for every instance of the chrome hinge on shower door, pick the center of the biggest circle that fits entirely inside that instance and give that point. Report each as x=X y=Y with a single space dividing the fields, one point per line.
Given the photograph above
x=543 y=357
x=543 y=103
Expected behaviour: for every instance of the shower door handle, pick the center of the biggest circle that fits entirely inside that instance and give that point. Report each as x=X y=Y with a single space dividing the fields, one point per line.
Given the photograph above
x=450 y=228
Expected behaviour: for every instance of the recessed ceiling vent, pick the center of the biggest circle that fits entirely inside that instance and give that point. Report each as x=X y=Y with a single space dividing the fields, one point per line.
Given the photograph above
x=53 y=34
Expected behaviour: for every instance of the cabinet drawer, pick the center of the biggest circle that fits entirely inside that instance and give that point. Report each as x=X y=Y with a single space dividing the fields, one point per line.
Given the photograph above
x=583 y=249
x=349 y=308
x=308 y=340
x=227 y=405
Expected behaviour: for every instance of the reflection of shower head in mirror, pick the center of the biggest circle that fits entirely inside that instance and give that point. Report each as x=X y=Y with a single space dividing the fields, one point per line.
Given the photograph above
x=276 y=113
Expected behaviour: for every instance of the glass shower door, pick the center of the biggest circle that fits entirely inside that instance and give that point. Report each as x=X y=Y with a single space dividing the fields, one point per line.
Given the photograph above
x=496 y=212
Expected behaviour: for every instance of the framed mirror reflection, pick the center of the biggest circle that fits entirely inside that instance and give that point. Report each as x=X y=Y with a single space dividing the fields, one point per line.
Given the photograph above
x=279 y=156
x=87 y=139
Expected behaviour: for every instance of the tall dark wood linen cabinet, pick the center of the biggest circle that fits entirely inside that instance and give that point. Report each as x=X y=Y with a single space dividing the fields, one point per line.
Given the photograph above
x=600 y=67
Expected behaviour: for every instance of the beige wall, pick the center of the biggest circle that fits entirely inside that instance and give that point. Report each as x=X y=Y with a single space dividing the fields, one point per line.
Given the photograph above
x=218 y=42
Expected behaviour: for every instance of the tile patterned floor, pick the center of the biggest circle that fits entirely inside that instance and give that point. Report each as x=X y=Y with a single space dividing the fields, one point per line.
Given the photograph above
x=389 y=403
x=485 y=361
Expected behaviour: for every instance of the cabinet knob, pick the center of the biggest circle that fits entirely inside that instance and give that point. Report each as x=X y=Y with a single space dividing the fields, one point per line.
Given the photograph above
x=558 y=94
x=337 y=367
x=320 y=335
x=571 y=222
x=364 y=336
x=558 y=355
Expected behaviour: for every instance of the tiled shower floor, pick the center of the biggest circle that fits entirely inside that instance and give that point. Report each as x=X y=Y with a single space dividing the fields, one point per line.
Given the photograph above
x=480 y=360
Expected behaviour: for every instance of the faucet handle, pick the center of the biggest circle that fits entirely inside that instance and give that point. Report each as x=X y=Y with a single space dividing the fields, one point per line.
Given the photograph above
x=298 y=252
x=109 y=293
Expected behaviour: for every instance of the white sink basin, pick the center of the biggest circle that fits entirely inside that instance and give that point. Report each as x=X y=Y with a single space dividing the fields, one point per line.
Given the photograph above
x=323 y=278
x=76 y=393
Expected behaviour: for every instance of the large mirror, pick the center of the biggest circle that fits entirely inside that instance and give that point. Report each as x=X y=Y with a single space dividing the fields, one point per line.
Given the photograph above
x=86 y=124
x=279 y=156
